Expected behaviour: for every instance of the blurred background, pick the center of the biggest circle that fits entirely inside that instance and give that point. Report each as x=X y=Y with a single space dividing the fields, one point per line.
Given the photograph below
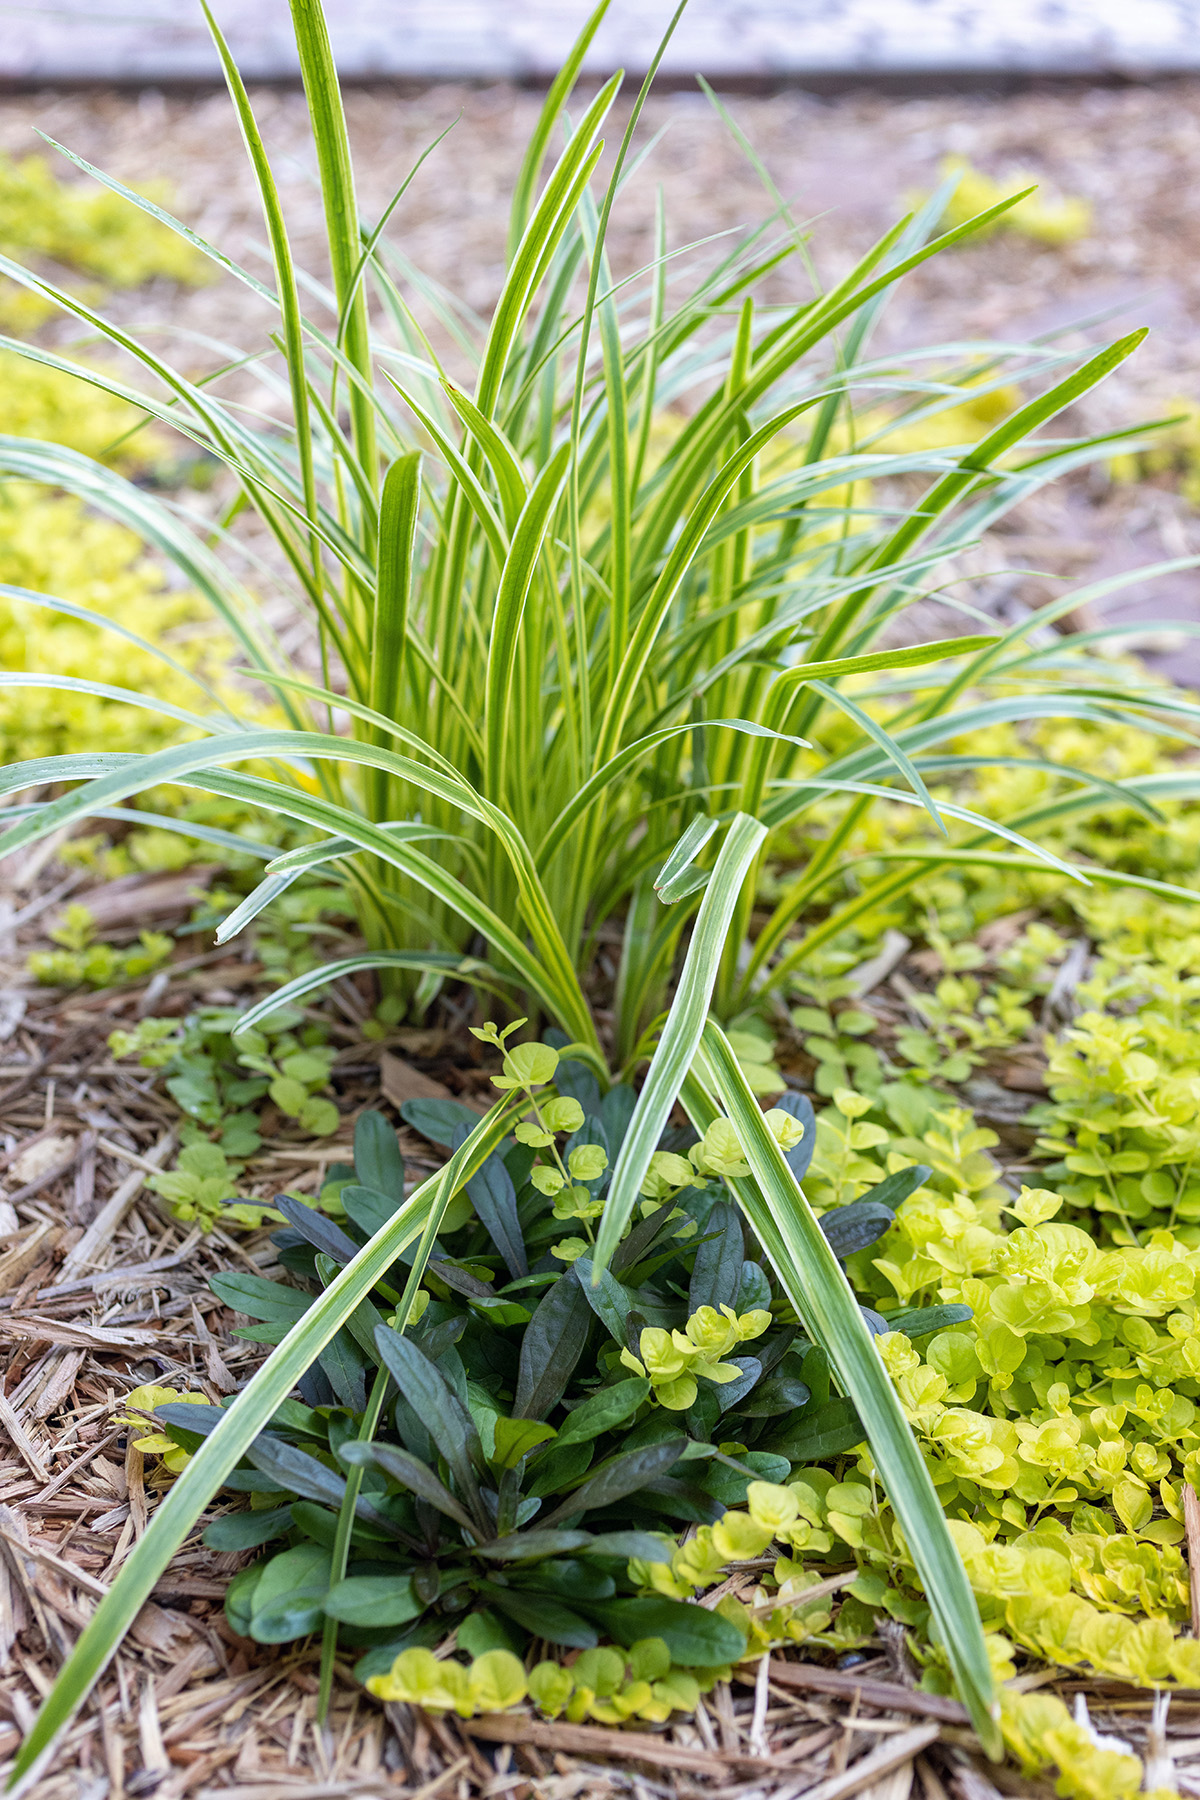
x=843 y=109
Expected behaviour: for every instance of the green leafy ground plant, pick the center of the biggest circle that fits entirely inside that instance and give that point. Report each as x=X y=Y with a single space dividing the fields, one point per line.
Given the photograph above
x=513 y=1467
x=219 y=1082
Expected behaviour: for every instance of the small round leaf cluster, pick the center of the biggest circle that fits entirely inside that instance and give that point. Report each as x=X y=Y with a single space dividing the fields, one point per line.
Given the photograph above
x=673 y=1361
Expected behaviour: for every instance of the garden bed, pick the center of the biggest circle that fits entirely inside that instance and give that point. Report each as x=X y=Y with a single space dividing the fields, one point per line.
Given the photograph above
x=964 y=1037
x=192 y=1706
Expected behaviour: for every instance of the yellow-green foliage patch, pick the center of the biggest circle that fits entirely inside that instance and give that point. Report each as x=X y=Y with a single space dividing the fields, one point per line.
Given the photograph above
x=39 y=402
x=85 y=227
x=52 y=545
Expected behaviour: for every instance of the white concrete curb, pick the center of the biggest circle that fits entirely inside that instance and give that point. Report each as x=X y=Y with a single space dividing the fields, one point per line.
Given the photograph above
x=148 y=41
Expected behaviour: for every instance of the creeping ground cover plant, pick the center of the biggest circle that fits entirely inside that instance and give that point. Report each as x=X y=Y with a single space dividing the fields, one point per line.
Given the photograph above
x=608 y=612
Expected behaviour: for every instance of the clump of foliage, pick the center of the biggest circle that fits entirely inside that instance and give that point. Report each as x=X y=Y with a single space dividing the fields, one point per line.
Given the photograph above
x=543 y=578
x=83 y=960
x=82 y=228
x=69 y=676
x=509 y=1464
x=1059 y=1415
x=219 y=1082
x=1047 y=218
x=1122 y=1122
x=1050 y=1384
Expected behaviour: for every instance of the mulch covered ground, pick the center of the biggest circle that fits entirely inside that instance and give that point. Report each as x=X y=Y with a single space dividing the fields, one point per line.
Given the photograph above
x=101 y=1291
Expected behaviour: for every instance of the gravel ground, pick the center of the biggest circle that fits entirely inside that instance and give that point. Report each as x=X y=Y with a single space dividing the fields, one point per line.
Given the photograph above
x=849 y=164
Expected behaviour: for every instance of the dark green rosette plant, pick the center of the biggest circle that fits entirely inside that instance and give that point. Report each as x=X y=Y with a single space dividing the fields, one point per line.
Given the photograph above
x=531 y=1431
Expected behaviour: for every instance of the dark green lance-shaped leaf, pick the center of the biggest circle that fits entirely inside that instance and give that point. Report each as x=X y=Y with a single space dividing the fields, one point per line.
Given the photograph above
x=438 y=1407
x=188 y=1425
x=299 y=1473
x=363 y=1322
x=623 y=1475
x=628 y=1544
x=252 y=1481
x=317 y=1230
x=893 y=1190
x=778 y=1394
x=754 y=1290
x=552 y=1345
x=461 y=1280
x=607 y=1298
x=378 y=1163
x=853 y=1227
x=604 y=1411
x=631 y=1250
x=369 y=1207
x=342 y=1363
x=728 y=1485
x=288 y=1617
x=730 y=1392
x=239 y=1598
x=542 y=1616
x=435 y=1340
x=373 y=1600
x=290 y=1418
x=261 y=1299
x=413 y=1474
x=515 y=1438
x=828 y=1430
x=616 y=1110
x=695 y=1637
x=296 y=1470
x=815 y=1374
x=643 y=1239
x=247 y=1530
x=288 y=1594
x=575 y=1081
x=717 y=1271
x=568 y=1578
x=527 y=1546
x=492 y=1194
x=438 y=1120
x=559 y=1468
x=318 y=1523
x=801 y=1154
x=920 y=1321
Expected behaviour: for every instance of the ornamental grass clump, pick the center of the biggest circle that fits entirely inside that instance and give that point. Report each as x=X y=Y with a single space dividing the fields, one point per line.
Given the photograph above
x=589 y=671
